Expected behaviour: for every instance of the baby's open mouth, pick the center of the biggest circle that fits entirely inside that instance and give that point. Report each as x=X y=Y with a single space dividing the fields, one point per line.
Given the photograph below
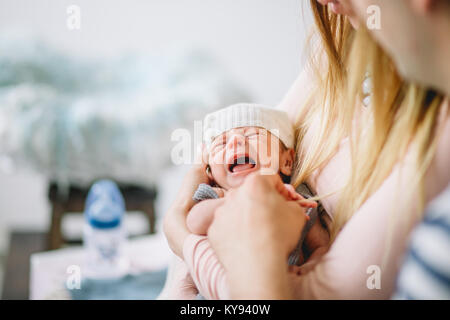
x=241 y=164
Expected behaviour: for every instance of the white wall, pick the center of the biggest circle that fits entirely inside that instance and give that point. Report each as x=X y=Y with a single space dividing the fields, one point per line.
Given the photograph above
x=260 y=42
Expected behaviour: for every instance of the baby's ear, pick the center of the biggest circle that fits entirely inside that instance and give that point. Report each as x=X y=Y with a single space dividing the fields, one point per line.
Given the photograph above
x=287 y=161
x=209 y=173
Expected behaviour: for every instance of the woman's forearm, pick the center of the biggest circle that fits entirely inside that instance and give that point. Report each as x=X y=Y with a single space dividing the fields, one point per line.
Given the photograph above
x=175 y=219
x=175 y=227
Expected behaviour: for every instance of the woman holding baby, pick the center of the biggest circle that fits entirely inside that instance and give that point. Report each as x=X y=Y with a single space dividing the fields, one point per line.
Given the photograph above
x=372 y=130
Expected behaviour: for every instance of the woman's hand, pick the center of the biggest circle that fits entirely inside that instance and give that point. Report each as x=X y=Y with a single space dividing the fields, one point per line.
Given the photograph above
x=175 y=219
x=295 y=196
x=253 y=233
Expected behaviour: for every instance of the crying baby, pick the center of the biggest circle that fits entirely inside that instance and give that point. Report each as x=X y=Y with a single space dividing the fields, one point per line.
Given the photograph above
x=240 y=140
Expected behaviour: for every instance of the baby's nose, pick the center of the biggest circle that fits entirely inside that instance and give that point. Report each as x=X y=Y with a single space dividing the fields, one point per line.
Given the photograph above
x=236 y=140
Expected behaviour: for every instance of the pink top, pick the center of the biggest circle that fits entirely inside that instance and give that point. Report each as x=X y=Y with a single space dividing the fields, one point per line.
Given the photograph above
x=344 y=271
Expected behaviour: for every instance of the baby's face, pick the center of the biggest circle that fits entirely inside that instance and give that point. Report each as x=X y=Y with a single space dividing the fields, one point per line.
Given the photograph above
x=241 y=151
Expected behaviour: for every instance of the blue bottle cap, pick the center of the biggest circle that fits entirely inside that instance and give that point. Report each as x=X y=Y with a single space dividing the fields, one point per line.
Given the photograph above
x=104 y=205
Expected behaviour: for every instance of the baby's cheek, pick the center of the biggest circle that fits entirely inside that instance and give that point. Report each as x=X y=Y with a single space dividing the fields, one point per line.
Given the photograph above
x=269 y=154
x=269 y=163
x=263 y=157
x=217 y=167
x=218 y=159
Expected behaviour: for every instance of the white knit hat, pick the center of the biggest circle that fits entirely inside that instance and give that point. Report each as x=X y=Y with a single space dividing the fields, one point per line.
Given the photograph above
x=248 y=115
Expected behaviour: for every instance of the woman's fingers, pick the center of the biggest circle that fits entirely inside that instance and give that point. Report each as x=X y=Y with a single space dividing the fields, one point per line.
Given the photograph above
x=293 y=195
x=193 y=178
x=261 y=184
x=259 y=203
x=201 y=156
x=307 y=203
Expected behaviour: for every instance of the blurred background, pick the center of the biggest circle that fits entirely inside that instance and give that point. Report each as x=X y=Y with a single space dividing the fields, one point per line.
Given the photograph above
x=101 y=101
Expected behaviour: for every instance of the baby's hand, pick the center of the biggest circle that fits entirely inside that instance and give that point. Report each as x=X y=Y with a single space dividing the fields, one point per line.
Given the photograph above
x=295 y=196
x=220 y=192
x=316 y=243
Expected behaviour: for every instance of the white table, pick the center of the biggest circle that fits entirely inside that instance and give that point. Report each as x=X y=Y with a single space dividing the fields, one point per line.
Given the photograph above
x=49 y=270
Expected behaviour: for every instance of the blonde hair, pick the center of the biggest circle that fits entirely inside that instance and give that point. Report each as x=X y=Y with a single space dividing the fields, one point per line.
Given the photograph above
x=402 y=116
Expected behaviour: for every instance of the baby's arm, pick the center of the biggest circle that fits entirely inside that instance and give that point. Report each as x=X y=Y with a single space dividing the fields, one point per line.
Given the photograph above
x=318 y=238
x=205 y=268
x=201 y=215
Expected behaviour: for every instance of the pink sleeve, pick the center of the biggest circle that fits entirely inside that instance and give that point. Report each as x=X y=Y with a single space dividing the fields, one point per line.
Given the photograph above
x=206 y=271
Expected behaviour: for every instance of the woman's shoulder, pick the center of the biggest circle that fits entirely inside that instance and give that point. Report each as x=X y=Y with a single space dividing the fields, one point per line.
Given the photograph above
x=298 y=94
